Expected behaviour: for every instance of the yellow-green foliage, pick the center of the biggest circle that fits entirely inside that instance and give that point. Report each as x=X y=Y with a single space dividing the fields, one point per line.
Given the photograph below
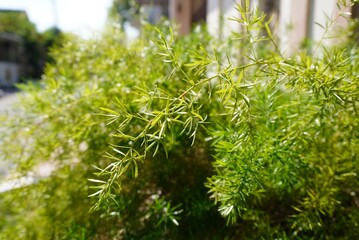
x=188 y=138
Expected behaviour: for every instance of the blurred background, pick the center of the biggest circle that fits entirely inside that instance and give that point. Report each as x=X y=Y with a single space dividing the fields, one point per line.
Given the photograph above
x=28 y=28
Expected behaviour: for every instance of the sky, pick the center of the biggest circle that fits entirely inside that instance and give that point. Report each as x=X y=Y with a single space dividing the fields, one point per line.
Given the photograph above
x=82 y=17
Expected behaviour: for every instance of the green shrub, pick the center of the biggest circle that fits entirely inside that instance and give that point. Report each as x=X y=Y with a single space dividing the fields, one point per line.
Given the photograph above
x=188 y=138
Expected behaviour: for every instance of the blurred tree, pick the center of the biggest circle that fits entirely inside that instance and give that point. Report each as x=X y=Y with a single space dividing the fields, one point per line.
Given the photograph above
x=123 y=11
x=36 y=45
x=17 y=22
x=50 y=38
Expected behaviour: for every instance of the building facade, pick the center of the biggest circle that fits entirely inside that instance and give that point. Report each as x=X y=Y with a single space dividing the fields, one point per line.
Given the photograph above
x=12 y=52
x=294 y=20
x=10 y=59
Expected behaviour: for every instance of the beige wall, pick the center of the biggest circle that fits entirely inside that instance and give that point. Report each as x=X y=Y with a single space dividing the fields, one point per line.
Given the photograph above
x=213 y=17
x=180 y=11
x=218 y=14
x=293 y=23
x=296 y=18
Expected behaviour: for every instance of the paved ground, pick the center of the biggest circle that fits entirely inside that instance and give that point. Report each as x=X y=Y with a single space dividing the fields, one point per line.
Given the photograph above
x=7 y=99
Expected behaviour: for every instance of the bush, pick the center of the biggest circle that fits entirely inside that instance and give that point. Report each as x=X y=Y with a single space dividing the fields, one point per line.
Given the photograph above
x=148 y=129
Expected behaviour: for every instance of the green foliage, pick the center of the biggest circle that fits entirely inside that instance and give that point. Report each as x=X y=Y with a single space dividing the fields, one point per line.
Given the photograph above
x=17 y=22
x=189 y=138
x=51 y=38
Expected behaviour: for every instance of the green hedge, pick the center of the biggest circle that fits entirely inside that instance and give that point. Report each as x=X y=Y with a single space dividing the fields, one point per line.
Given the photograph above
x=188 y=138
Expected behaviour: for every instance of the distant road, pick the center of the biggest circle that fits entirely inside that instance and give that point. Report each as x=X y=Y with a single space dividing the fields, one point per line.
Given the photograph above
x=42 y=170
x=7 y=99
x=6 y=102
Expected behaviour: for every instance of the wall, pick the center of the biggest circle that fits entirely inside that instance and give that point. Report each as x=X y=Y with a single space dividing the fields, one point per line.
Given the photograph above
x=9 y=74
x=219 y=13
x=295 y=22
x=180 y=11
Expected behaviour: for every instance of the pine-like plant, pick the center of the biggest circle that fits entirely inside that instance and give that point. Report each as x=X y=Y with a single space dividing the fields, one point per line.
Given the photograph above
x=189 y=138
